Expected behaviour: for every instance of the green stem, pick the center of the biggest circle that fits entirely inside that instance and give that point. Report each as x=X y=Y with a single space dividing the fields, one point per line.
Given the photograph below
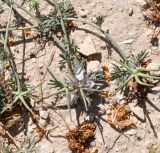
x=84 y=100
x=25 y=104
x=69 y=62
x=142 y=83
x=62 y=22
x=53 y=94
x=122 y=85
x=8 y=24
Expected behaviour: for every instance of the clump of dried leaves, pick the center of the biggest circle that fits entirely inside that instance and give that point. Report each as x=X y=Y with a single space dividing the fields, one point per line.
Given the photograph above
x=119 y=116
x=80 y=137
x=151 y=12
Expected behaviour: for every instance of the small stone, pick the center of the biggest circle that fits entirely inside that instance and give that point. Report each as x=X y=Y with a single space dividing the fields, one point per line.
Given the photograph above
x=43 y=114
x=138 y=112
x=82 y=13
x=90 y=117
x=43 y=123
x=154 y=66
x=156 y=90
x=87 y=48
x=131 y=132
x=94 y=19
x=40 y=65
x=26 y=78
x=130 y=12
x=93 y=66
x=129 y=41
x=33 y=60
x=32 y=128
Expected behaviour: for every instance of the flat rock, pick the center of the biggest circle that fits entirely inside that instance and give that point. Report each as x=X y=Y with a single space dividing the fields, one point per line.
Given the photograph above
x=87 y=48
x=93 y=66
x=82 y=13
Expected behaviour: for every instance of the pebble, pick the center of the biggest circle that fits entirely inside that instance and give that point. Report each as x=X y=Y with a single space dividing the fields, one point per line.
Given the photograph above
x=129 y=41
x=43 y=123
x=130 y=12
x=43 y=114
x=82 y=13
x=154 y=66
x=31 y=128
x=87 y=48
x=131 y=132
x=138 y=111
x=93 y=66
x=40 y=65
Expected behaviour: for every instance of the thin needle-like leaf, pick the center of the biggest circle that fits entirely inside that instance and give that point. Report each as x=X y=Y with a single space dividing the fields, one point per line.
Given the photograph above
x=148 y=76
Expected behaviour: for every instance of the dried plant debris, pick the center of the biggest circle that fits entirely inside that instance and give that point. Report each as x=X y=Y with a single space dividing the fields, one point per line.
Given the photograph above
x=5 y=94
x=118 y=116
x=106 y=73
x=151 y=12
x=80 y=137
x=12 y=118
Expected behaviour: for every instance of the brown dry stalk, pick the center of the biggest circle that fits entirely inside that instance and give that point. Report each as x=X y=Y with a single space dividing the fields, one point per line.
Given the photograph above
x=6 y=88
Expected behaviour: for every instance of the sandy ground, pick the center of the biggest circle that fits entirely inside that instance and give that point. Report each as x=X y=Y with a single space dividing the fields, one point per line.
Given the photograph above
x=133 y=35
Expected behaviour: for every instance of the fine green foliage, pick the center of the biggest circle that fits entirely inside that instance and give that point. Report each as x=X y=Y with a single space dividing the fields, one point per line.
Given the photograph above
x=28 y=146
x=19 y=92
x=68 y=57
x=78 y=86
x=51 y=23
x=131 y=69
x=137 y=60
